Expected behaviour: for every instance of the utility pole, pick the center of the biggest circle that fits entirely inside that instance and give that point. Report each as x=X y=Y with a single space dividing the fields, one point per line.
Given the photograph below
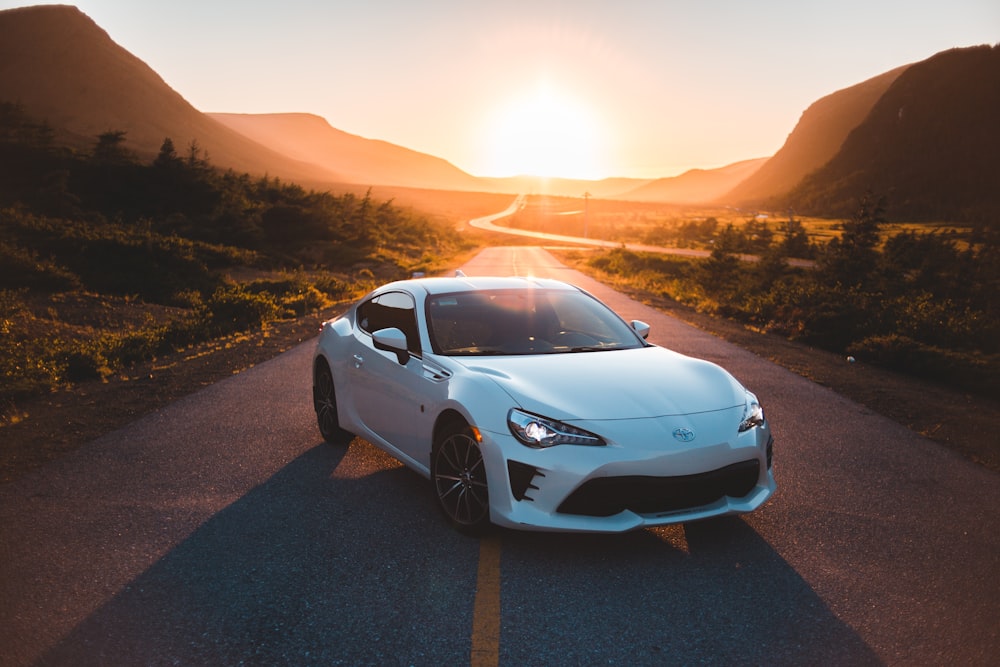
x=586 y=212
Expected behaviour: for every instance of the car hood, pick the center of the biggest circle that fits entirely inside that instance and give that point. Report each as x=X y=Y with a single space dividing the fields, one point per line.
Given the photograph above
x=614 y=384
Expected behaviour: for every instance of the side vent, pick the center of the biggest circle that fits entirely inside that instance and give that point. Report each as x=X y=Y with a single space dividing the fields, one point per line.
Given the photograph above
x=436 y=374
x=521 y=477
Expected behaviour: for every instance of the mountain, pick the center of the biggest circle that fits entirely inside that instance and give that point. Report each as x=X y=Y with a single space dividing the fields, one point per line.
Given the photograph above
x=817 y=137
x=64 y=69
x=925 y=135
x=930 y=145
x=310 y=138
x=697 y=186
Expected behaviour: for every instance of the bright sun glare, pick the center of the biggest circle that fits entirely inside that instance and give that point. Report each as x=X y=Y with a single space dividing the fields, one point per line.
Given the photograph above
x=546 y=134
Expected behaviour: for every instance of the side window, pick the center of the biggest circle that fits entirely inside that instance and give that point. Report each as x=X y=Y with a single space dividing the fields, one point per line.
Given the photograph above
x=392 y=309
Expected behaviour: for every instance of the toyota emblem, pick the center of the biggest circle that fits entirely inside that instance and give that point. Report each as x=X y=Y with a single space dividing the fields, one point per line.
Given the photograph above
x=684 y=434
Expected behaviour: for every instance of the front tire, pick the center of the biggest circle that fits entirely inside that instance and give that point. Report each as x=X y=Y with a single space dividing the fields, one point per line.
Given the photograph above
x=325 y=404
x=459 y=475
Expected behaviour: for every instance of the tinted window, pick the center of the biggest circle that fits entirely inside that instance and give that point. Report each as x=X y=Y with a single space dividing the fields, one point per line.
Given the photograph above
x=391 y=310
x=525 y=321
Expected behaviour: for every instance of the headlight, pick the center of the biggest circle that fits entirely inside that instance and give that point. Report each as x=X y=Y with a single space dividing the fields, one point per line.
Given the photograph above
x=753 y=414
x=535 y=431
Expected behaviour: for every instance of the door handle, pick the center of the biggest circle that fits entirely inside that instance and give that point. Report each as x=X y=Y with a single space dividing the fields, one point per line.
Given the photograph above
x=358 y=360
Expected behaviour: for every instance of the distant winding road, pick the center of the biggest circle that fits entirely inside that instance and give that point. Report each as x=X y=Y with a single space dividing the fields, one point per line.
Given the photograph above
x=488 y=223
x=221 y=530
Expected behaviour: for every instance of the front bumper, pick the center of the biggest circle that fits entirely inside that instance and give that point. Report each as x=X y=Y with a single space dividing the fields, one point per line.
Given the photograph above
x=625 y=486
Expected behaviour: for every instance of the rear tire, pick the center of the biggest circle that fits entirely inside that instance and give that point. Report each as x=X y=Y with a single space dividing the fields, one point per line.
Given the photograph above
x=325 y=404
x=459 y=475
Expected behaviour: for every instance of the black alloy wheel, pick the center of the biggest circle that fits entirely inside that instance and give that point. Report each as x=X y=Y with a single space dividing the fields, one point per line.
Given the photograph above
x=325 y=404
x=459 y=475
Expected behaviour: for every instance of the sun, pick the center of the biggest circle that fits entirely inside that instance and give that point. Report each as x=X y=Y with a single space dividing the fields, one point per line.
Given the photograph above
x=546 y=134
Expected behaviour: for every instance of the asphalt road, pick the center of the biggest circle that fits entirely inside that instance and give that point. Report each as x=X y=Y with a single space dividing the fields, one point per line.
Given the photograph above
x=222 y=531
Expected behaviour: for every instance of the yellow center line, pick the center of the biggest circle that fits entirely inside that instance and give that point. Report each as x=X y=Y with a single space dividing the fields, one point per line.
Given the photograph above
x=486 y=610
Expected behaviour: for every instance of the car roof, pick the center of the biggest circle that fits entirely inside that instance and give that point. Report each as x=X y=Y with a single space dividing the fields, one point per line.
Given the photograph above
x=477 y=283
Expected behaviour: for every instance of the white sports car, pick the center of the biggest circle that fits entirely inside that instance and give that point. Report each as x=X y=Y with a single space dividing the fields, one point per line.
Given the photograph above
x=532 y=405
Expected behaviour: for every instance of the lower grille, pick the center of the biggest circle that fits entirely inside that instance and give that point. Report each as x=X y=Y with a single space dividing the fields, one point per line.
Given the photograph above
x=606 y=496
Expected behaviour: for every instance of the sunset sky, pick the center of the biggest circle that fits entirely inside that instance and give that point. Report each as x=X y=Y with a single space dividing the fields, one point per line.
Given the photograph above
x=639 y=88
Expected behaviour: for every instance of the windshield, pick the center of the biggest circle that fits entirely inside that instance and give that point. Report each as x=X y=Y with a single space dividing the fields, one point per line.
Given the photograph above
x=524 y=321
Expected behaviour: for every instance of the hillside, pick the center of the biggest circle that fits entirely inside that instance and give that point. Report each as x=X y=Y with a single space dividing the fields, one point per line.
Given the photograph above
x=816 y=138
x=697 y=186
x=62 y=67
x=930 y=145
x=310 y=138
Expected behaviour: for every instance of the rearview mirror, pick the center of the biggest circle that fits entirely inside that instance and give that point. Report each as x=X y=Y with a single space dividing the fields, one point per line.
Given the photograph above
x=392 y=340
x=641 y=328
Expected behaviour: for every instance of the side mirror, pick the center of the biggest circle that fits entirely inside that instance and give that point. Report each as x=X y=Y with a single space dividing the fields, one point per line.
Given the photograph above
x=392 y=340
x=641 y=328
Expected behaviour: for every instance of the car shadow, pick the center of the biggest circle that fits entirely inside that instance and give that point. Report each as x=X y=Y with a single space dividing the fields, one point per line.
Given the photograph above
x=709 y=592
x=305 y=569
x=317 y=567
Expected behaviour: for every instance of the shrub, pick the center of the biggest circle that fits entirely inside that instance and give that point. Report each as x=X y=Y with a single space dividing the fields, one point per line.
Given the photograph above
x=186 y=298
x=237 y=309
x=23 y=268
x=131 y=347
x=12 y=305
x=333 y=287
x=970 y=371
x=26 y=368
x=83 y=361
x=184 y=331
x=306 y=300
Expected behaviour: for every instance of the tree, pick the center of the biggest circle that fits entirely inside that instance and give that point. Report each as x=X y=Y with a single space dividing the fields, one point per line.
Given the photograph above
x=197 y=158
x=729 y=239
x=796 y=241
x=771 y=268
x=110 y=148
x=852 y=259
x=720 y=274
x=861 y=231
x=167 y=157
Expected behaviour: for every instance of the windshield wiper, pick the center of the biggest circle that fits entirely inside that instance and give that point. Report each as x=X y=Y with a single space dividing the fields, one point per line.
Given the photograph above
x=477 y=352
